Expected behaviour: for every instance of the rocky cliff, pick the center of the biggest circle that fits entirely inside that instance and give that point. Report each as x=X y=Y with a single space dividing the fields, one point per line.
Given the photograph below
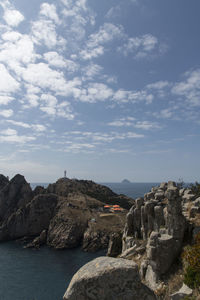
x=66 y=214
x=156 y=229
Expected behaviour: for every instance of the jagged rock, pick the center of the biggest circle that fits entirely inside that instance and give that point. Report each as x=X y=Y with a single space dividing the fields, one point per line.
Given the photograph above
x=171 y=184
x=108 y=278
x=163 y=186
x=38 y=241
x=115 y=245
x=3 y=181
x=182 y=293
x=95 y=240
x=39 y=190
x=127 y=242
x=129 y=252
x=31 y=219
x=14 y=195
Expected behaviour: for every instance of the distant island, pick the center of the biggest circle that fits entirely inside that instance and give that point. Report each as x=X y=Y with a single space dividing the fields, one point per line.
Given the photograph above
x=126 y=181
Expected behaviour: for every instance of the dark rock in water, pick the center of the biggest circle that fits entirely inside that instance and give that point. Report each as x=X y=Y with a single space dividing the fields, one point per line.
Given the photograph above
x=108 y=278
x=3 y=181
x=125 y=181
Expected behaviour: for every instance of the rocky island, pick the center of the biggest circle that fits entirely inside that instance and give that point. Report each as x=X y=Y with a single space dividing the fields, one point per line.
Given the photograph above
x=67 y=214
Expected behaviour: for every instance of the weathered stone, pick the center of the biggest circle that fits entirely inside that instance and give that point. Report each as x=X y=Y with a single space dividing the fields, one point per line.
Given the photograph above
x=139 y=202
x=159 y=217
x=171 y=184
x=127 y=242
x=194 y=211
x=115 y=245
x=108 y=278
x=163 y=186
x=182 y=293
x=129 y=252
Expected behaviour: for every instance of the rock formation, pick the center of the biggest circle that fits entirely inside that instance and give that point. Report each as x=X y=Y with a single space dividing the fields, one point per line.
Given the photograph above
x=108 y=278
x=66 y=214
x=158 y=222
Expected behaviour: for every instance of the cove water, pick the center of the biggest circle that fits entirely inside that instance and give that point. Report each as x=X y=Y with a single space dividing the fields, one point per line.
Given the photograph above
x=29 y=274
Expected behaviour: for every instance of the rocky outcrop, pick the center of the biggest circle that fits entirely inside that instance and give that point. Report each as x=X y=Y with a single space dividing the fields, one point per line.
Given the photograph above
x=14 y=195
x=108 y=278
x=158 y=220
x=31 y=219
x=67 y=214
x=3 y=181
x=115 y=245
x=65 y=186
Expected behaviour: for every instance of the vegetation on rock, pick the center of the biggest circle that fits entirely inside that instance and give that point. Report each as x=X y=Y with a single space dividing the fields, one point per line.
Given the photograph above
x=191 y=260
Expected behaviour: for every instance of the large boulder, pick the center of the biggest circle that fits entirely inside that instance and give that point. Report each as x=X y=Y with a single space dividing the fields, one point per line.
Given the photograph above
x=107 y=278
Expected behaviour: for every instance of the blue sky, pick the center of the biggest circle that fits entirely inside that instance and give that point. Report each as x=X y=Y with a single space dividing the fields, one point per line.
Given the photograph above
x=105 y=89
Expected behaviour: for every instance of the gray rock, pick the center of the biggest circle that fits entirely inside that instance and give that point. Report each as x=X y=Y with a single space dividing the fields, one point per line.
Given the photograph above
x=108 y=278
x=13 y=195
x=3 y=181
x=171 y=184
x=183 y=292
x=115 y=245
x=31 y=219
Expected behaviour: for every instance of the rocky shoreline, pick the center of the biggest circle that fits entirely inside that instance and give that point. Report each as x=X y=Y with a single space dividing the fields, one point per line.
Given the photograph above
x=144 y=238
x=67 y=214
x=156 y=230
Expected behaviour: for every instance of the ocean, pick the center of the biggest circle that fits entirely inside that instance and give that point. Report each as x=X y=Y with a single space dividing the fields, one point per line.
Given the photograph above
x=29 y=274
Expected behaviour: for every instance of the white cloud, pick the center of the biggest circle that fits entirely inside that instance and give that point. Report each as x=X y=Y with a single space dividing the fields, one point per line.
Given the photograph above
x=123 y=96
x=94 y=46
x=158 y=85
x=7 y=83
x=107 y=33
x=13 y=17
x=53 y=108
x=189 y=88
x=128 y=121
x=95 y=92
x=92 y=53
x=7 y=113
x=49 y=11
x=5 y=99
x=17 y=51
x=92 y=70
x=11 y=136
x=57 y=60
x=139 y=47
x=35 y=127
x=146 y=125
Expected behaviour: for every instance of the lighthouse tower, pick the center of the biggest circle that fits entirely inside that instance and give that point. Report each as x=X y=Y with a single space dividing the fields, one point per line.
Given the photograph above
x=65 y=174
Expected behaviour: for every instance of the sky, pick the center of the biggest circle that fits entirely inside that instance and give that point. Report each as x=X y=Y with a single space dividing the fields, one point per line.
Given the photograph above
x=105 y=90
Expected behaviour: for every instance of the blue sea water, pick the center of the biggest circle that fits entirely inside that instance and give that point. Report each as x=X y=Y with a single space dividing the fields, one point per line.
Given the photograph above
x=28 y=274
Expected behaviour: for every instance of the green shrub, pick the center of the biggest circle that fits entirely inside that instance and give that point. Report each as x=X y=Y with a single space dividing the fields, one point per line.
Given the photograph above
x=191 y=260
x=192 y=277
x=195 y=188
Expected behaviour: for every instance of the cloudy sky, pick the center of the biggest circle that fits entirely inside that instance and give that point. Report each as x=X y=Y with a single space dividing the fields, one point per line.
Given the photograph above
x=105 y=89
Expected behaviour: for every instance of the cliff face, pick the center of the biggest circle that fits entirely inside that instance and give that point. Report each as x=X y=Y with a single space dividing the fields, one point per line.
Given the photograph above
x=65 y=215
x=155 y=229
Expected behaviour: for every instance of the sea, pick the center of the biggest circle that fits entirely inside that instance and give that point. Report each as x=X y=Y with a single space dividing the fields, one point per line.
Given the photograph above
x=44 y=274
